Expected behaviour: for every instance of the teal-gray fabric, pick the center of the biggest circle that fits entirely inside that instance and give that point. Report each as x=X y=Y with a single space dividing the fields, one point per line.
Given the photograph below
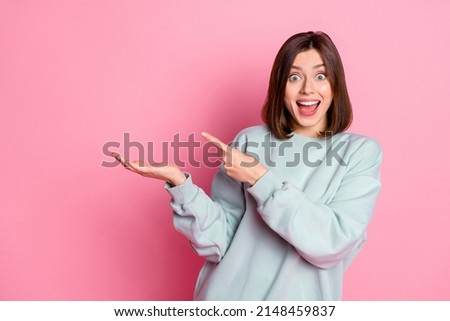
x=292 y=234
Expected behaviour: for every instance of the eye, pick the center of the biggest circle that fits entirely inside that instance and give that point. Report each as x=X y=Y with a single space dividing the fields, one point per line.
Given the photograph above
x=294 y=77
x=321 y=76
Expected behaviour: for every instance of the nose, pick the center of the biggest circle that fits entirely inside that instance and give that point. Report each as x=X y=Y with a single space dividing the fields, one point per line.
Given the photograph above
x=307 y=87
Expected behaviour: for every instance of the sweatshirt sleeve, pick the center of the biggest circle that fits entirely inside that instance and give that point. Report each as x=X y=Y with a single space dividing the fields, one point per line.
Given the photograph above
x=209 y=223
x=324 y=234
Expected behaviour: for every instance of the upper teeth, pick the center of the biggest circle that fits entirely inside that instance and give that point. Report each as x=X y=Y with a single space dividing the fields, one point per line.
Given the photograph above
x=308 y=103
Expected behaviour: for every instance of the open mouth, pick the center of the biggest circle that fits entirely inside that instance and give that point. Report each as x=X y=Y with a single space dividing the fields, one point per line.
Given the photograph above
x=307 y=107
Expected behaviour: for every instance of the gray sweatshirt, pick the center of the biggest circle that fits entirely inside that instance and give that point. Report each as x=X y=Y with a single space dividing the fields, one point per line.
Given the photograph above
x=293 y=233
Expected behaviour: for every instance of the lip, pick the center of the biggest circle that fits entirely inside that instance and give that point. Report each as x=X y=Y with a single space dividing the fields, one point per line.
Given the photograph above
x=308 y=107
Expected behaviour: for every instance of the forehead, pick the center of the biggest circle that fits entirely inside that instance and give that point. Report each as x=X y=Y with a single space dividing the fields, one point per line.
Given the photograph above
x=308 y=59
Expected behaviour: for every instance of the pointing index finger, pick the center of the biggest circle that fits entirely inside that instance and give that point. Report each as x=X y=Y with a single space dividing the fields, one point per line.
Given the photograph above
x=216 y=141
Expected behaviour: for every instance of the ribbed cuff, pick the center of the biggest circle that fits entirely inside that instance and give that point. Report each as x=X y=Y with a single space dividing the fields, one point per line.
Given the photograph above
x=265 y=187
x=183 y=193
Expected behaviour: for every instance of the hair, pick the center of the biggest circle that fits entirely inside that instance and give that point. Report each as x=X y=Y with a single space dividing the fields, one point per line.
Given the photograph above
x=275 y=114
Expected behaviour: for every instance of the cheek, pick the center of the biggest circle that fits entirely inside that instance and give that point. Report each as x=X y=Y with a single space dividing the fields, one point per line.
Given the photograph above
x=325 y=91
x=287 y=97
x=288 y=102
x=290 y=93
x=289 y=107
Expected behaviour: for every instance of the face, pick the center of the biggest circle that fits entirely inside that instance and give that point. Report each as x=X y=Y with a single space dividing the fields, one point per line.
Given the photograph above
x=308 y=93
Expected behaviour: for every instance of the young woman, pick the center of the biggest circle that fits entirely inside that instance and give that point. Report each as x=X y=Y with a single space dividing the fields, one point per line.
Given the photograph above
x=290 y=206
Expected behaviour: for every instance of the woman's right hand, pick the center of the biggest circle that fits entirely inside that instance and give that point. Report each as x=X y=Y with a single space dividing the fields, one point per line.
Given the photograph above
x=163 y=171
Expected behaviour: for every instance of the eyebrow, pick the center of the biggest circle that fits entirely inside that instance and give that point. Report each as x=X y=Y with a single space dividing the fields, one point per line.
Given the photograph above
x=315 y=67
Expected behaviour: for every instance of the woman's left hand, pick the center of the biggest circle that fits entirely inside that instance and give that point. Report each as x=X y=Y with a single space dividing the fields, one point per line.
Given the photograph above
x=238 y=165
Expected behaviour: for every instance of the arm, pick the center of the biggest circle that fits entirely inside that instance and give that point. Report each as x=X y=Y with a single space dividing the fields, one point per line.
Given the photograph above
x=209 y=223
x=323 y=234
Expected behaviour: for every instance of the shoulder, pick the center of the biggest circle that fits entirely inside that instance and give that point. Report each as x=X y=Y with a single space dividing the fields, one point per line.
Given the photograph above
x=252 y=134
x=360 y=144
x=364 y=154
x=254 y=131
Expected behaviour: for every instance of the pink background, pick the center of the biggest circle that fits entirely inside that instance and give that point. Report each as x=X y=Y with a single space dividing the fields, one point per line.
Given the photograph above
x=77 y=74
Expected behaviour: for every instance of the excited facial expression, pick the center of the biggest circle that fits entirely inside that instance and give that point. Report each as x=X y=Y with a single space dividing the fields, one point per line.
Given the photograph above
x=308 y=93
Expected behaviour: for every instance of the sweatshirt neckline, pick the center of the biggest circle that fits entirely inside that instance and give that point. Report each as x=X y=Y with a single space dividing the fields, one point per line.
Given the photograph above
x=322 y=141
x=307 y=138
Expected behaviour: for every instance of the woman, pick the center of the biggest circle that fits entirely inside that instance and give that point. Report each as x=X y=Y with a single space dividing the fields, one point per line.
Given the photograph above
x=290 y=206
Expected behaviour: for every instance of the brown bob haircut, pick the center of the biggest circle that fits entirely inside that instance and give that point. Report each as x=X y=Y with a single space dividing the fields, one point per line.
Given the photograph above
x=275 y=114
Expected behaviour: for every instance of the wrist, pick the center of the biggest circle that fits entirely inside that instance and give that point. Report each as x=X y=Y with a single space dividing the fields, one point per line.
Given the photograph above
x=177 y=179
x=258 y=172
